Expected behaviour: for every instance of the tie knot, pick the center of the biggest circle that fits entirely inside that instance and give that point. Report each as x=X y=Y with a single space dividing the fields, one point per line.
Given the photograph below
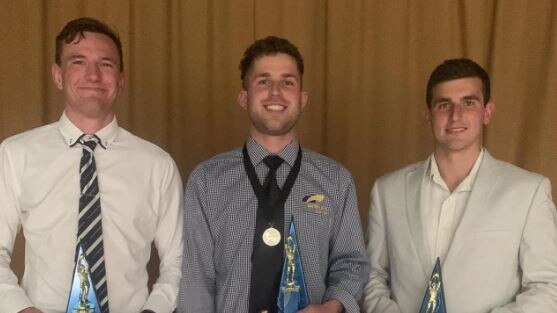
x=89 y=141
x=273 y=162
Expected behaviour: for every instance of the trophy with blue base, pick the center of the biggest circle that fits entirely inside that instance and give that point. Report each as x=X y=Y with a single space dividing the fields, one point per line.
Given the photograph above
x=82 y=295
x=293 y=294
x=434 y=298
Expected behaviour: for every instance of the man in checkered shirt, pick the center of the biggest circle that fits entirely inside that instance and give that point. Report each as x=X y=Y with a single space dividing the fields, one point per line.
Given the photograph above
x=221 y=207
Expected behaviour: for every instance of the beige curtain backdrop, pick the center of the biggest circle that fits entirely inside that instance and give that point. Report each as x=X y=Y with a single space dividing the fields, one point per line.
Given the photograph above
x=367 y=63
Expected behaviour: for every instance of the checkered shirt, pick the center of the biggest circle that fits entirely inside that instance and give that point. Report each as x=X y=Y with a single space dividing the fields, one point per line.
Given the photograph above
x=219 y=223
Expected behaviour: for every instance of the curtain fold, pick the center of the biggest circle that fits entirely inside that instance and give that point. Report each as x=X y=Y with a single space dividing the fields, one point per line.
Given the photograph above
x=367 y=63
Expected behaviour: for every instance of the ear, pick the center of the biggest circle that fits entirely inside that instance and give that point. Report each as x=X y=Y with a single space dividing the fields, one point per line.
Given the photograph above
x=243 y=99
x=57 y=76
x=304 y=98
x=427 y=116
x=489 y=112
x=121 y=83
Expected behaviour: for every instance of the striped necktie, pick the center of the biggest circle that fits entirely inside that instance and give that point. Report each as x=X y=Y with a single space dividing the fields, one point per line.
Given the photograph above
x=90 y=222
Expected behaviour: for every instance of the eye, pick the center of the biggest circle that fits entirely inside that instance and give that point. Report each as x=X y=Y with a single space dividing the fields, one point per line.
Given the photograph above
x=78 y=62
x=107 y=65
x=263 y=82
x=469 y=102
x=442 y=105
x=289 y=82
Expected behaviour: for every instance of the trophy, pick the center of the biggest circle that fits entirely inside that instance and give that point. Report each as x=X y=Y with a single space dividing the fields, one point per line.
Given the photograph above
x=434 y=298
x=292 y=292
x=82 y=297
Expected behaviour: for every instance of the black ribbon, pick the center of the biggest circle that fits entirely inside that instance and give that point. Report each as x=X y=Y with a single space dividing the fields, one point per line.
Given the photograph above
x=267 y=261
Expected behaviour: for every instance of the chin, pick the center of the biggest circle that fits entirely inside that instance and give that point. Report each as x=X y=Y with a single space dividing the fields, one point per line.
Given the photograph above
x=275 y=132
x=457 y=147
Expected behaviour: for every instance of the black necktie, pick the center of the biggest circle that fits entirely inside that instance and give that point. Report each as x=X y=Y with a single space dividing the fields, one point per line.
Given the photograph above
x=90 y=223
x=270 y=186
x=267 y=260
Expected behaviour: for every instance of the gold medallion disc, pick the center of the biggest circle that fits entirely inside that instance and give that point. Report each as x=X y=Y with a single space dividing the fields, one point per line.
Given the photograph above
x=271 y=236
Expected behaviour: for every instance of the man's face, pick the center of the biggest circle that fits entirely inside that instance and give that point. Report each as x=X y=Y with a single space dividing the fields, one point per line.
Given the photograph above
x=89 y=76
x=274 y=99
x=457 y=114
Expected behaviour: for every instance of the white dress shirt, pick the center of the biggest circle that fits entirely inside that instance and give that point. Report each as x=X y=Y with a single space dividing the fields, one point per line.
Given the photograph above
x=141 y=202
x=441 y=209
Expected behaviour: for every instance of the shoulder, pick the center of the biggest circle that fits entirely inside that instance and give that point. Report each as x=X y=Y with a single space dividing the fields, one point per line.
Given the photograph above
x=512 y=175
x=139 y=146
x=401 y=174
x=323 y=166
x=37 y=136
x=223 y=164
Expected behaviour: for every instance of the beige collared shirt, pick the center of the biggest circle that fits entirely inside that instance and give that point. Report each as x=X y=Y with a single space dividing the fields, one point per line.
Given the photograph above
x=441 y=210
x=141 y=202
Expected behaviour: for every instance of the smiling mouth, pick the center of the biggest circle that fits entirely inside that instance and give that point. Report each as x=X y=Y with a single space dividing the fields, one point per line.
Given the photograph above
x=92 y=89
x=456 y=130
x=274 y=107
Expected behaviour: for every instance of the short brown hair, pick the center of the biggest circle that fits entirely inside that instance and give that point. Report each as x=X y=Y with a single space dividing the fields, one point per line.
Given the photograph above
x=455 y=69
x=77 y=28
x=270 y=45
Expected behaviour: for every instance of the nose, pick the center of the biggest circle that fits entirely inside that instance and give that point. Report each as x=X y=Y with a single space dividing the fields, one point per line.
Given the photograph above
x=92 y=72
x=275 y=88
x=456 y=111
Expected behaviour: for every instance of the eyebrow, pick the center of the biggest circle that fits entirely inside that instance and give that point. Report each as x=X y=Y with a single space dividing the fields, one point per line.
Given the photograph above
x=81 y=56
x=471 y=97
x=267 y=75
x=290 y=76
x=444 y=99
x=262 y=75
x=75 y=56
x=441 y=100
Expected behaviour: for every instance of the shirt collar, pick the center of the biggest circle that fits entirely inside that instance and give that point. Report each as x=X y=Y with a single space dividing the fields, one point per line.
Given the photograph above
x=72 y=133
x=257 y=152
x=466 y=185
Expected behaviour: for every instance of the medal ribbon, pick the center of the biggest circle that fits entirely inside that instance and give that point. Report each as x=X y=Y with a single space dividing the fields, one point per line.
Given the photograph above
x=267 y=260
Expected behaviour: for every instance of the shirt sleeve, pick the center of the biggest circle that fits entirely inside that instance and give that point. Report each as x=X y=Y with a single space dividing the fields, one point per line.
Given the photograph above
x=168 y=241
x=537 y=257
x=377 y=297
x=197 y=290
x=348 y=263
x=12 y=297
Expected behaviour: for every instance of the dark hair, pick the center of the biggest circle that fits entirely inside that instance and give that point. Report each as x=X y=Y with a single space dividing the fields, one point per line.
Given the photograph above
x=270 y=45
x=454 y=69
x=77 y=28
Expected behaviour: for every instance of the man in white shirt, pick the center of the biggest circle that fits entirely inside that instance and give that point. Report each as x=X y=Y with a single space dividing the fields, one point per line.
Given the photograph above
x=492 y=225
x=135 y=188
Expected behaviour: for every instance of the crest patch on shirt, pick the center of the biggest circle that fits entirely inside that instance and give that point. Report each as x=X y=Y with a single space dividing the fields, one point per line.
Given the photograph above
x=314 y=203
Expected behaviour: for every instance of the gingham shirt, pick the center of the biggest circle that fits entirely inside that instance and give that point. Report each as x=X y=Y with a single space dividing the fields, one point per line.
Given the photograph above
x=220 y=211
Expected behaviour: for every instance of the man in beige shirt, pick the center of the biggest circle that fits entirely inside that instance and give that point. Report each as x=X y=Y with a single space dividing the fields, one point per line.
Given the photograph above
x=492 y=225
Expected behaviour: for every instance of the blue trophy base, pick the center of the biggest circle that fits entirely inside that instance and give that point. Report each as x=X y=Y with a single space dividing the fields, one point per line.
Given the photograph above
x=291 y=300
x=84 y=309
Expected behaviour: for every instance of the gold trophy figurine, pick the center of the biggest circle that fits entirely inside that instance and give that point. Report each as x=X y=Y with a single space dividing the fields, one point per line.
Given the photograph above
x=434 y=297
x=433 y=290
x=292 y=295
x=83 y=273
x=290 y=250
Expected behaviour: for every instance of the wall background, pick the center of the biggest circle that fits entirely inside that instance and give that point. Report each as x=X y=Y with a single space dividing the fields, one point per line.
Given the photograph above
x=367 y=63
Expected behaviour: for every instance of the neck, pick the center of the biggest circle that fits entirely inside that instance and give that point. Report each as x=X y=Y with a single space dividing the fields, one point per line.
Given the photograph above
x=455 y=166
x=273 y=144
x=89 y=125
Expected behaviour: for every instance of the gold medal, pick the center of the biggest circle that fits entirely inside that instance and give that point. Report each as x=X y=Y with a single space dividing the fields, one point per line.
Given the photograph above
x=271 y=236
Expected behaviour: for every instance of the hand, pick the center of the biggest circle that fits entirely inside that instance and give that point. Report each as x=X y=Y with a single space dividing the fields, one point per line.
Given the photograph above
x=331 y=306
x=30 y=310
